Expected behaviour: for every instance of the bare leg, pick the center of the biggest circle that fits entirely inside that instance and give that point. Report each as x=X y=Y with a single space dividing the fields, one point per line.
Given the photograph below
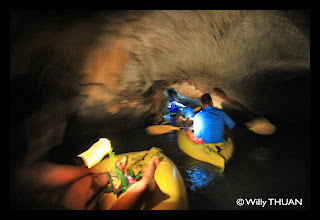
x=45 y=175
x=130 y=198
x=80 y=192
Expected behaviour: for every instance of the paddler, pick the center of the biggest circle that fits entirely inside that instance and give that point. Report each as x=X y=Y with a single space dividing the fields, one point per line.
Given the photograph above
x=186 y=116
x=208 y=125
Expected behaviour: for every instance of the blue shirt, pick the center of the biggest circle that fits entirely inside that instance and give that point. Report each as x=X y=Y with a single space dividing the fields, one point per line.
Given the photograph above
x=188 y=112
x=209 y=125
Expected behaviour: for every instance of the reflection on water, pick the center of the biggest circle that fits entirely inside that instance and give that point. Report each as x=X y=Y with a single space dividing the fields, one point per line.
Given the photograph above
x=274 y=166
x=261 y=153
x=198 y=177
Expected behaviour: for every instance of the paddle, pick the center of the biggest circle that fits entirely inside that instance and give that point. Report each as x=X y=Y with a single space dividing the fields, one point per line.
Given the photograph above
x=165 y=122
x=196 y=109
x=162 y=129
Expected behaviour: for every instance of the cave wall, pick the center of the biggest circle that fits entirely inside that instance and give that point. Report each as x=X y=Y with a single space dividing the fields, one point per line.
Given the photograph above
x=111 y=67
x=231 y=50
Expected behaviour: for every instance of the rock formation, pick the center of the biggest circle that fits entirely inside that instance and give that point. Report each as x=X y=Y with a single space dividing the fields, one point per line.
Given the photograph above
x=113 y=68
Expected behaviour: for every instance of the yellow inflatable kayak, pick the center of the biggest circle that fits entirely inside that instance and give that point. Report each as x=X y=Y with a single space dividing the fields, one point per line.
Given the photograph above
x=170 y=192
x=217 y=154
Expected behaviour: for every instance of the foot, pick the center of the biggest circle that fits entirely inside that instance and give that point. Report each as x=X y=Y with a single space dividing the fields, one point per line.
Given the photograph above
x=147 y=182
x=148 y=177
x=133 y=197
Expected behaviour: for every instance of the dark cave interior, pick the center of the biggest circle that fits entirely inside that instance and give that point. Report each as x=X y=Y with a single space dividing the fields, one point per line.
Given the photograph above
x=109 y=71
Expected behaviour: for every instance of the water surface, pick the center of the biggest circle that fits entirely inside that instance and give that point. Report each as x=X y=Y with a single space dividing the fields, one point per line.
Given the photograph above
x=262 y=167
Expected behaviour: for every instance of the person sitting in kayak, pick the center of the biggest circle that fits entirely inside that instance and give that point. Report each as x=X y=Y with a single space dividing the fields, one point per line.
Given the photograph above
x=208 y=125
x=186 y=116
x=174 y=109
x=187 y=112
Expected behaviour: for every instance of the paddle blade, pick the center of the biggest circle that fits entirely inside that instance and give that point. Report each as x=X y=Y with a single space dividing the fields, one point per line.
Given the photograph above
x=196 y=109
x=261 y=126
x=160 y=129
